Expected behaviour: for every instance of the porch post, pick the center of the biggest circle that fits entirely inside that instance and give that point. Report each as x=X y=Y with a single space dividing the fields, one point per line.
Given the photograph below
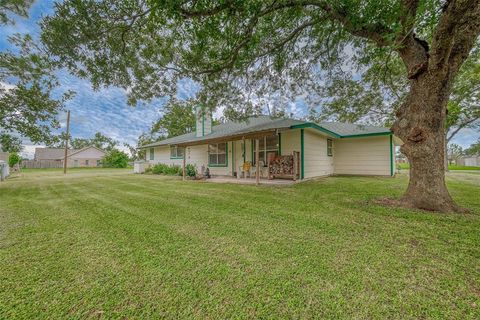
x=233 y=158
x=184 y=160
x=257 y=154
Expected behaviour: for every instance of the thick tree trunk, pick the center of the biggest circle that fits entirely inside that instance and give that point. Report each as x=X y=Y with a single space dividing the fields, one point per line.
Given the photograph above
x=420 y=124
x=446 y=153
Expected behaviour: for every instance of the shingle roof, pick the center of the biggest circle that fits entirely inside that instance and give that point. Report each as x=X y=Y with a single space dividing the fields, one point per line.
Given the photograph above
x=50 y=153
x=58 y=153
x=262 y=123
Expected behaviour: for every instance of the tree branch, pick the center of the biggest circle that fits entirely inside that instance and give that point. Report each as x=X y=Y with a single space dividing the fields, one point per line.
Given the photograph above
x=455 y=34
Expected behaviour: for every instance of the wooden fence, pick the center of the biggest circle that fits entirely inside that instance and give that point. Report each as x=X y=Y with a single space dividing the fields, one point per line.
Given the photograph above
x=41 y=164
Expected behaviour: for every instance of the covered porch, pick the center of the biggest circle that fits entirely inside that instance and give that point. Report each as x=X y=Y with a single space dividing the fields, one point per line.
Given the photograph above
x=234 y=159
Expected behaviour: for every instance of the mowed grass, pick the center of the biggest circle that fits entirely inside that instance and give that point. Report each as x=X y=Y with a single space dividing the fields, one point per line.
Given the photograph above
x=110 y=244
x=406 y=166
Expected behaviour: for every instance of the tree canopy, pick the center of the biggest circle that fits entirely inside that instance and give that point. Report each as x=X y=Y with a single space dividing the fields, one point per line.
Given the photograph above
x=98 y=140
x=115 y=159
x=9 y=143
x=178 y=117
x=229 y=47
x=244 y=53
x=18 y=7
x=474 y=149
x=28 y=105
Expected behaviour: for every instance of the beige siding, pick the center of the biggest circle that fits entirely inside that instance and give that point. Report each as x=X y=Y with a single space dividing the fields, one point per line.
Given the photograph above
x=196 y=155
x=90 y=153
x=317 y=162
x=290 y=141
x=224 y=171
x=162 y=155
x=362 y=156
x=82 y=162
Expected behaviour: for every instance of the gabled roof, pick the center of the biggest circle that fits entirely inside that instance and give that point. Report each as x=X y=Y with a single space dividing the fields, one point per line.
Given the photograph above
x=50 y=153
x=58 y=153
x=264 y=123
x=86 y=148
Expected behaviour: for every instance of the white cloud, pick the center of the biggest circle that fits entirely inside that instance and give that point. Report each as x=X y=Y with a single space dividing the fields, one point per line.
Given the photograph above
x=29 y=150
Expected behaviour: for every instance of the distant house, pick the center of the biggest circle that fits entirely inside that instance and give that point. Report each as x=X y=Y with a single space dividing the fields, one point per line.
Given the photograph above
x=318 y=149
x=90 y=156
x=470 y=161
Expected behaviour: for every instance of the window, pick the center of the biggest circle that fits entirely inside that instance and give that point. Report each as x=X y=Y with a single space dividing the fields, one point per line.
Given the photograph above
x=176 y=152
x=152 y=154
x=217 y=155
x=266 y=145
x=329 y=147
x=87 y=162
x=98 y=163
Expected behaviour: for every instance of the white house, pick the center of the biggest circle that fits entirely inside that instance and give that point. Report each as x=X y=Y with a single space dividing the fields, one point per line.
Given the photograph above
x=322 y=149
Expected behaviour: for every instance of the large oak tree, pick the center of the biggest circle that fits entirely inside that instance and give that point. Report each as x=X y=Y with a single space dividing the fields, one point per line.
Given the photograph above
x=243 y=52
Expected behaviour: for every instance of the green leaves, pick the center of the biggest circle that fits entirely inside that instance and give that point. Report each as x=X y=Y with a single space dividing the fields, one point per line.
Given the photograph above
x=27 y=81
x=178 y=118
x=10 y=143
x=18 y=7
x=245 y=54
x=115 y=159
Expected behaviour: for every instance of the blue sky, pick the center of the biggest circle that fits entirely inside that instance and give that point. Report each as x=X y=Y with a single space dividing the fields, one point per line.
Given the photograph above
x=106 y=110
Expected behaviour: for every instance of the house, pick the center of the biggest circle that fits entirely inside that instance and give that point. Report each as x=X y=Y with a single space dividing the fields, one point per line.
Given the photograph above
x=90 y=156
x=469 y=161
x=323 y=149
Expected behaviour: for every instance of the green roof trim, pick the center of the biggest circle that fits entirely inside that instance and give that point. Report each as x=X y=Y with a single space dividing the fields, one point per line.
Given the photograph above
x=302 y=153
x=233 y=158
x=315 y=126
x=251 y=144
x=391 y=155
x=266 y=123
x=336 y=135
x=367 y=135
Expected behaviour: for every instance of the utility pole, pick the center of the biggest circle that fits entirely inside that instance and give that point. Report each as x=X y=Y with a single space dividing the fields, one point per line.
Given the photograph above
x=66 y=143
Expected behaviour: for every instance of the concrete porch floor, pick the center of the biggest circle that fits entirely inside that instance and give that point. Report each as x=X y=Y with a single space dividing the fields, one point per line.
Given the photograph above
x=263 y=181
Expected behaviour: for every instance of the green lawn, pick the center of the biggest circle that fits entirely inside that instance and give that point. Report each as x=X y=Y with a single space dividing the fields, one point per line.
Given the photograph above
x=450 y=167
x=106 y=243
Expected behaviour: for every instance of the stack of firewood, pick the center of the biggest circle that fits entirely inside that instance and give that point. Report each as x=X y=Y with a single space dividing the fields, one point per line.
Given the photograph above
x=282 y=165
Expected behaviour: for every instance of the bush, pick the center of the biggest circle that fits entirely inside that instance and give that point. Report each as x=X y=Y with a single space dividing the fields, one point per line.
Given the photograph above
x=115 y=159
x=159 y=168
x=191 y=170
x=13 y=159
x=162 y=168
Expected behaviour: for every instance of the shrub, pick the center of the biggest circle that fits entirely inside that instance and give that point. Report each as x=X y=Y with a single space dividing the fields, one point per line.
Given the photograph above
x=13 y=159
x=174 y=170
x=191 y=170
x=159 y=168
x=115 y=159
x=162 y=168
